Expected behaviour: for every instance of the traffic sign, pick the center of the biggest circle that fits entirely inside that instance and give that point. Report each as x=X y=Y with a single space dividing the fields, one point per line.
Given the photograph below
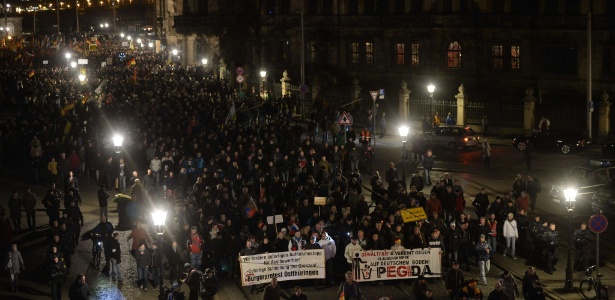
x=239 y=71
x=344 y=119
x=598 y=223
x=239 y=78
x=303 y=88
x=374 y=95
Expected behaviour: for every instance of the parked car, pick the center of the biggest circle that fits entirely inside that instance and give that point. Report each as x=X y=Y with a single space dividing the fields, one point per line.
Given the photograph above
x=603 y=200
x=564 y=141
x=452 y=137
x=588 y=179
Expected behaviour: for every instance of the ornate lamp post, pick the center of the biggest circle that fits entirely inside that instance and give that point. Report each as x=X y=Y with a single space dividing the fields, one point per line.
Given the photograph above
x=431 y=88
x=159 y=217
x=117 y=143
x=570 y=194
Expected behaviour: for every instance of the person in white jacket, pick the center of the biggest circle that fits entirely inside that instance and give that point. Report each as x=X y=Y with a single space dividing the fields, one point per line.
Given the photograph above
x=397 y=246
x=328 y=244
x=511 y=234
x=351 y=248
x=156 y=166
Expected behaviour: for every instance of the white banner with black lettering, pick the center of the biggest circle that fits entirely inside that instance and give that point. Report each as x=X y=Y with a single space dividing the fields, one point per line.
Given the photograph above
x=260 y=268
x=390 y=265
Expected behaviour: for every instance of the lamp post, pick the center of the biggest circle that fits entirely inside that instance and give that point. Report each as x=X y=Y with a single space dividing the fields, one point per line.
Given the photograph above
x=117 y=143
x=403 y=133
x=81 y=78
x=67 y=55
x=263 y=78
x=73 y=64
x=159 y=217
x=570 y=194
x=431 y=88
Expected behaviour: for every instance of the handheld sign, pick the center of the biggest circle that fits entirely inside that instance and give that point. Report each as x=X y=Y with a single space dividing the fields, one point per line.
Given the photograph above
x=320 y=201
x=270 y=220
x=413 y=214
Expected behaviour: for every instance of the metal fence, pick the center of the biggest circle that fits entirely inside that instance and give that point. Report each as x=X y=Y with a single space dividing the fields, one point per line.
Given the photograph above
x=498 y=114
x=417 y=108
x=562 y=116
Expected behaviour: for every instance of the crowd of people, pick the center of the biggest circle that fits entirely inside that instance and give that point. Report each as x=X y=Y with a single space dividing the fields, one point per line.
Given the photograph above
x=221 y=161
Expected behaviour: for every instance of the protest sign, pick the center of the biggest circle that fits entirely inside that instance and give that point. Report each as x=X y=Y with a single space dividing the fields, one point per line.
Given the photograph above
x=291 y=265
x=320 y=201
x=413 y=214
x=391 y=265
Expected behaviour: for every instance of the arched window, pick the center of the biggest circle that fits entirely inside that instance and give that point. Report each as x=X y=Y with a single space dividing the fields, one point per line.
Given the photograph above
x=453 y=55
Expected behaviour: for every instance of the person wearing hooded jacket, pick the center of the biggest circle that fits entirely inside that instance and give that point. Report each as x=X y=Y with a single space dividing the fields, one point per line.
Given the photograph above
x=328 y=244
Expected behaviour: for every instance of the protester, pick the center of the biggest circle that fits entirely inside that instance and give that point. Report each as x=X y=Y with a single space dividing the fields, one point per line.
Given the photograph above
x=79 y=290
x=15 y=266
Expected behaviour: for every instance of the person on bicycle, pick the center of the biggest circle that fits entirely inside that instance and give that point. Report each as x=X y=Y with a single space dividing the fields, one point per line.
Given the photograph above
x=103 y=232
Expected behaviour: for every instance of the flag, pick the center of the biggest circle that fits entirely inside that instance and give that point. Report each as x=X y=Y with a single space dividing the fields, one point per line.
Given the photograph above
x=342 y=296
x=17 y=57
x=109 y=99
x=132 y=62
x=31 y=73
x=132 y=46
x=134 y=76
x=66 y=108
x=98 y=90
x=66 y=130
x=232 y=112
x=85 y=99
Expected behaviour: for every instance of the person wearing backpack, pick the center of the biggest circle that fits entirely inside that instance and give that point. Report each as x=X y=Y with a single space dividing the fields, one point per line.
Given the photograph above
x=533 y=188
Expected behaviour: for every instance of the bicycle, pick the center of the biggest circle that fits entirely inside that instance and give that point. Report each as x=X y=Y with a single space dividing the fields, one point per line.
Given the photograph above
x=96 y=251
x=591 y=288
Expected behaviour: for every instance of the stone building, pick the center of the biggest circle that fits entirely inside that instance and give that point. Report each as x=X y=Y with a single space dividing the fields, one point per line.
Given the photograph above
x=495 y=48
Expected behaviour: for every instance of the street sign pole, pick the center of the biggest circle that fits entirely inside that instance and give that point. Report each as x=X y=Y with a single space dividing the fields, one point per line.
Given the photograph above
x=598 y=224
x=374 y=95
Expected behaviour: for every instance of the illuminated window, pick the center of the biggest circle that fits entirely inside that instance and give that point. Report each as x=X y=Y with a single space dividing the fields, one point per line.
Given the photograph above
x=399 y=54
x=369 y=53
x=497 y=57
x=453 y=55
x=515 y=57
x=354 y=55
x=415 y=55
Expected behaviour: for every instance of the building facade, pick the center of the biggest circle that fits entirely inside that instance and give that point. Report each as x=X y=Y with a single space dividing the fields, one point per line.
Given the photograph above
x=495 y=48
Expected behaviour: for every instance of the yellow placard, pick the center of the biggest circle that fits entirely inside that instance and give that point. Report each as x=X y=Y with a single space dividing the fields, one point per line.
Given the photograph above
x=413 y=214
x=320 y=201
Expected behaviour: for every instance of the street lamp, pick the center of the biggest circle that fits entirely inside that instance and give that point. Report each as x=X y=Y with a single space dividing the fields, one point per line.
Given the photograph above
x=570 y=194
x=263 y=76
x=81 y=78
x=122 y=35
x=204 y=61
x=73 y=64
x=403 y=133
x=431 y=88
x=159 y=217
x=174 y=52
x=67 y=55
x=117 y=143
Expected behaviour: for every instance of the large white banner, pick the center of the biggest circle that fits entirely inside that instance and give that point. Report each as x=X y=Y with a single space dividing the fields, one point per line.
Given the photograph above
x=260 y=268
x=390 y=265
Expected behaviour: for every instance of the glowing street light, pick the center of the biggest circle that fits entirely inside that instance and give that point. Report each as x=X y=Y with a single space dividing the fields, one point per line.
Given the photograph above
x=122 y=35
x=73 y=64
x=82 y=77
x=117 y=143
x=431 y=88
x=204 y=61
x=403 y=132
x=174 y=52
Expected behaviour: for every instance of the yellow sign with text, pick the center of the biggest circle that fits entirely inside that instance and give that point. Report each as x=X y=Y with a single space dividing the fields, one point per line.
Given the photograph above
x=413 y=214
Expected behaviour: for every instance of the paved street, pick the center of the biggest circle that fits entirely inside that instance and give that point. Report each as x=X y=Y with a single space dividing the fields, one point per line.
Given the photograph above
x=465 y=165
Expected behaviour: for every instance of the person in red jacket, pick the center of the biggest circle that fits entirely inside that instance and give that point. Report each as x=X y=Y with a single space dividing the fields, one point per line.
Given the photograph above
x=138 y=236
x=523 y=202
x=195 y=246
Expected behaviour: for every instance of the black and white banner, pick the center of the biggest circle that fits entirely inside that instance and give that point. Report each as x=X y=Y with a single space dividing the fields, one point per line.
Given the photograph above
x=390 y=265
x=291 y=265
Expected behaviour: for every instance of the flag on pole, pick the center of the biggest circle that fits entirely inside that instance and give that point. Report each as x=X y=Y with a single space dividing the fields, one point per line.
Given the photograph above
x=67 y=108
x=232 y=112
x=98 y=90
x=132 y=62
